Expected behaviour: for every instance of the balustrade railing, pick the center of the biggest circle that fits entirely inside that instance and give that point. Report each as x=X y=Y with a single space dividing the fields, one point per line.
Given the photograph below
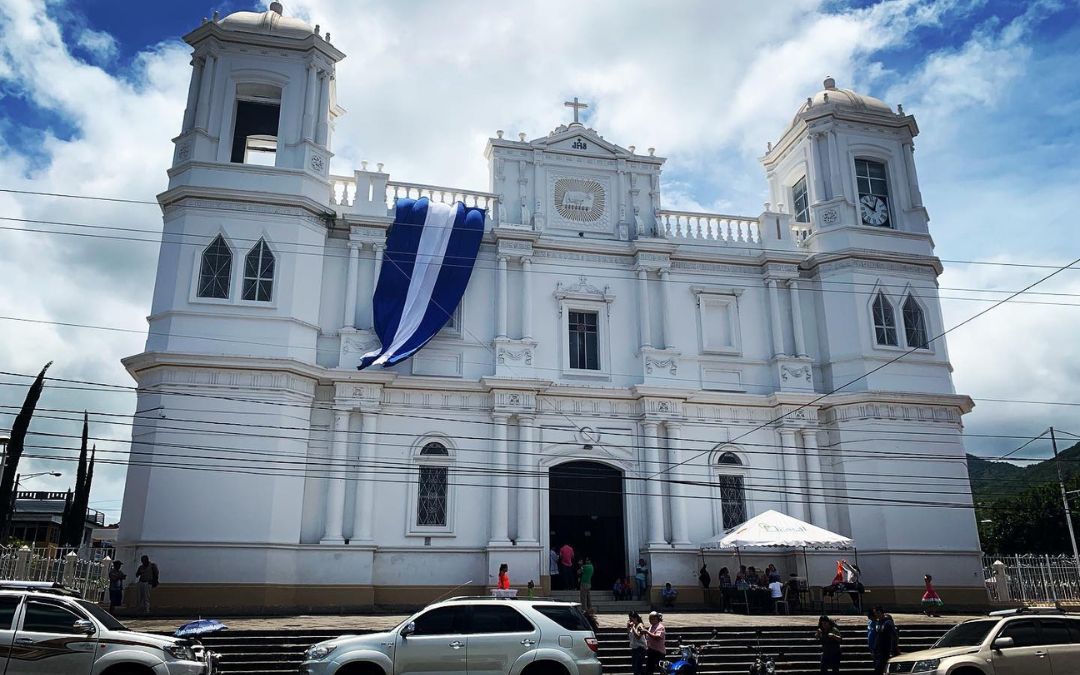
x=88 y=576
x=1032 y=579
x=346 y=192
x=709 y=227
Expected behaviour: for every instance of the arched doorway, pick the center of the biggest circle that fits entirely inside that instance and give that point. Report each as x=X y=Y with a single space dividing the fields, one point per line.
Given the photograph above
x=585 y=507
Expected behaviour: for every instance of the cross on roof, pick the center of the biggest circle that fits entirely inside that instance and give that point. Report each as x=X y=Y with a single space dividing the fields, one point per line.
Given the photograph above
x=576 y=106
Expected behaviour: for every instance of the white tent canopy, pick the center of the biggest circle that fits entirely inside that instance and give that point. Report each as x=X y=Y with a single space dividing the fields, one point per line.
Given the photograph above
x=773 y=529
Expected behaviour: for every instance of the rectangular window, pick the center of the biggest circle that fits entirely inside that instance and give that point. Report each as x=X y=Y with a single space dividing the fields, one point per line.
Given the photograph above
x=800 y=202
x=873 y=193
x=584 y=341
x=431 y=497
x=255 y=133
x=732 y=500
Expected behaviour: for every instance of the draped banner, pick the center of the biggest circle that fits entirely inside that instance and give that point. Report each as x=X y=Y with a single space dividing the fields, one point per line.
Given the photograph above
x=430 y=252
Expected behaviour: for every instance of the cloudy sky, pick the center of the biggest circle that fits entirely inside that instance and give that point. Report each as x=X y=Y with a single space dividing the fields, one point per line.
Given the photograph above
x=91 y=93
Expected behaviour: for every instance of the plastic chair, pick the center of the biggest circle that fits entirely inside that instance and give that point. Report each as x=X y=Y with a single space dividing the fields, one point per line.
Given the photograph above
x=782 y=601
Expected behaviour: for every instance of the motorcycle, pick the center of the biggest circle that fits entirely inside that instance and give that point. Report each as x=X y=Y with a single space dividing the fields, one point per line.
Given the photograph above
x=763 y=664
x=190 y=634
x=689 y=658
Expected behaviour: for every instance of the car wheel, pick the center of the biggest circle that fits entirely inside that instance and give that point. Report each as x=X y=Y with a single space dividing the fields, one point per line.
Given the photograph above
x=545 y=668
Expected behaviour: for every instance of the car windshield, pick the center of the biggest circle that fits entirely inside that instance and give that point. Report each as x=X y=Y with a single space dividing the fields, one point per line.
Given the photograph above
x=966 y=634
x=567 y=616
x=106 y=619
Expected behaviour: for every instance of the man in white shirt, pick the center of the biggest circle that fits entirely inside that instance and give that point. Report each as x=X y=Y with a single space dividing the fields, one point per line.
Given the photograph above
x=776 y=590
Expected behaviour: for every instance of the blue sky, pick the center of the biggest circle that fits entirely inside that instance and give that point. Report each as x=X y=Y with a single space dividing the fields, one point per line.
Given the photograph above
x=91 y=92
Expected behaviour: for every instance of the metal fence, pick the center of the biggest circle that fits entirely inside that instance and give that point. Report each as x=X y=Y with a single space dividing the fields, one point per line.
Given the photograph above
x=1032 y=578
x=87 y=576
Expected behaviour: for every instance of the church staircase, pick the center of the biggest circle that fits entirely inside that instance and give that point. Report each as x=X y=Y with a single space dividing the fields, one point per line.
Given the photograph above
x=275 y=652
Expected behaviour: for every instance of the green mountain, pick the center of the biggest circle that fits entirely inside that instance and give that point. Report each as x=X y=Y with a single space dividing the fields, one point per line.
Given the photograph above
x=992 y=480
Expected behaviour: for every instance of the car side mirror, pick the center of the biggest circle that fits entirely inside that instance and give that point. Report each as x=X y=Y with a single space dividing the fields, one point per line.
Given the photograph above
x=1004 y=643
x=409 y=629
x=85 y=626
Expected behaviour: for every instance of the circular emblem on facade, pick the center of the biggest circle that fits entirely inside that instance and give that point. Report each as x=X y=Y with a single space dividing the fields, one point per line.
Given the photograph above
x=317 y=163
x=829 y=217
x=581 y=200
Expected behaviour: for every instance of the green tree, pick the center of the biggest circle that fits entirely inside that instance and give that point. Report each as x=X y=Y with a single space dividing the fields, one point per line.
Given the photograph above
x=71 y=527
x=15 y=448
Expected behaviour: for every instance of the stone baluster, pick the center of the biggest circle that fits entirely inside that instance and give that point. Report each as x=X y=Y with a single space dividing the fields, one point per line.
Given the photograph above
x=677 y=491
x=349 y=318
x=795 y=492
x=816 y=493
x=643 y=307
x=333 y=530
x=796 y=318
x=501 y=295
x=527 y=516
x=774 y=315
x=500 y=512
x=654 y=494
x=364 y=507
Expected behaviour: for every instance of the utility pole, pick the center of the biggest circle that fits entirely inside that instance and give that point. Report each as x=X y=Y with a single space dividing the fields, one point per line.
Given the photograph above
x=1064 y=499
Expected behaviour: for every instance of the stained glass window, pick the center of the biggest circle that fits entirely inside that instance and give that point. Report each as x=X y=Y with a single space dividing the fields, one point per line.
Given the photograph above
x=215 y=272
x=259 y=273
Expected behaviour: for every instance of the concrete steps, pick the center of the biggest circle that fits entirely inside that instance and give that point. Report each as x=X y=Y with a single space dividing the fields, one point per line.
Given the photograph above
x=275 y=652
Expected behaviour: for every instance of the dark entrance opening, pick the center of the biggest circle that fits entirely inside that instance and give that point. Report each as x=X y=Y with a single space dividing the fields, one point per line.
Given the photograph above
x=585 y=507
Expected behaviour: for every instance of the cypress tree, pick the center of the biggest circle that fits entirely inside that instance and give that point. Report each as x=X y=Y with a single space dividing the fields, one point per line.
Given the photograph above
x=71 y=525
x=15 y=448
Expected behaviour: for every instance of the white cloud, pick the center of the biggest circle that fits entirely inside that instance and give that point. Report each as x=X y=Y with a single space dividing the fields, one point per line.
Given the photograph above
x=707 y=85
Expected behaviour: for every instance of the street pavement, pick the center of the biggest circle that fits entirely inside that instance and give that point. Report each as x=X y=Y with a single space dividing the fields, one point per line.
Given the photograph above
x=672 y=619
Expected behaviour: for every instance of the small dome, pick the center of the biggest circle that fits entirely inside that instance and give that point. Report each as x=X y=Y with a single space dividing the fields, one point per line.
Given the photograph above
x=845 y=98
x=270 y=22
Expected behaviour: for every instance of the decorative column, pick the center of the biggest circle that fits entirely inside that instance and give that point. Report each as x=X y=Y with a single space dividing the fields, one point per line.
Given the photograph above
x=333 y=532
x=835 y=187
x=818 y=507
x=526 y=298
x=500 y=511
x=643 y=310
x=526 y=515
x=192 y=94
x=376 y=270
x=654 y=495
x=817 y=180
x=202 y=114
x=500 y=306
x=774 y=315
x=677 y=491
x=795 y=489
x=349 y=319
x=307 y=132
x=364 y=509
x=665 y=308
x=913 y=178
x=323 y=113
x=796 y=318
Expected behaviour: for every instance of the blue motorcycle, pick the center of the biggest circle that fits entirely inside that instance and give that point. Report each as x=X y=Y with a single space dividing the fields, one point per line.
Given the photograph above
x=689 y=658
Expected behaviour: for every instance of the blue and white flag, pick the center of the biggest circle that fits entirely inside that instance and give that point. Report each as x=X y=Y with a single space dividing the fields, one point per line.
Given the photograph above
x=430 y=252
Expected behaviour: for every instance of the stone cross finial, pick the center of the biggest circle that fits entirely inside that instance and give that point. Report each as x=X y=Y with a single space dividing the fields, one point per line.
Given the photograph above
x=577 y=107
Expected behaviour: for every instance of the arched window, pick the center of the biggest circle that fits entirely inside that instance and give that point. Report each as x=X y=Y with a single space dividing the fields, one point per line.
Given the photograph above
x=431 y=494
x=215 y=272
x=915 y=324
x=884 y=321
x=259 y=273
x=732 y=490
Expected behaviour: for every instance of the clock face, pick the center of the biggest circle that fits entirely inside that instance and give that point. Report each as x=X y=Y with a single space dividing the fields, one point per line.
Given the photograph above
x=874 y=210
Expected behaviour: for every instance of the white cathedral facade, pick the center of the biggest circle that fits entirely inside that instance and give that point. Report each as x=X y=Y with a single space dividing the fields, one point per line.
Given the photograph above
x=626 y=378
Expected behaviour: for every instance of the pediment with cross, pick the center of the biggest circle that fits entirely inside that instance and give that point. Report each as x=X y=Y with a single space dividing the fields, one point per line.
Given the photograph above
x=578 y=139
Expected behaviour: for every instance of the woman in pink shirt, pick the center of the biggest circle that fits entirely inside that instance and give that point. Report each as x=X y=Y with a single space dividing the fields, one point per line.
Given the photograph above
x=655 y=646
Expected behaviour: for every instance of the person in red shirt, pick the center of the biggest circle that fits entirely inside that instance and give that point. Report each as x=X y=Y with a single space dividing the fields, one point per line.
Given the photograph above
x=504 y=577
x=655 y=641
x=566 y=567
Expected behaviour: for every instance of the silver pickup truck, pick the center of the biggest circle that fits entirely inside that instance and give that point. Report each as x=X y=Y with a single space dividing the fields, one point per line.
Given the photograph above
x=47 y=631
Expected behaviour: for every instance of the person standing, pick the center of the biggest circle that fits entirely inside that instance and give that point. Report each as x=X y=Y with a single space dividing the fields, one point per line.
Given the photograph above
x=931 y=601
x=776 y=593
x=504 y=577
x=116 y=586
x=635 y=632
x=553 y=567
x=641 y=578
x=828 y=635
x=566 y=566
x=886 y=640
x=147 y=577
x=585 y=594
x=704 y=577
x=871 y=630
x=655 y=642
